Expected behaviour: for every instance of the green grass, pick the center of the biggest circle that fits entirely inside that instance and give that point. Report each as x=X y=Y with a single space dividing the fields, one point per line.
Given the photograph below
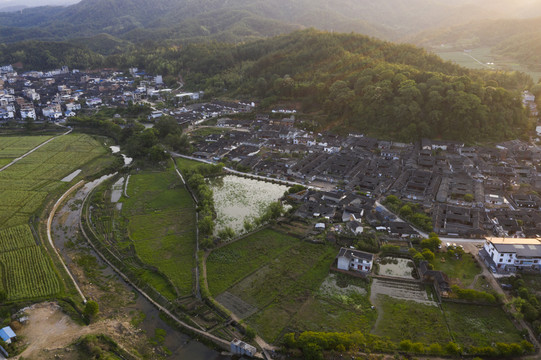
x=479 y=325
x=409 y=320
x=187 y=164
x=460 y=271
x=161 y=224
x=281 y=276
x=231 y=263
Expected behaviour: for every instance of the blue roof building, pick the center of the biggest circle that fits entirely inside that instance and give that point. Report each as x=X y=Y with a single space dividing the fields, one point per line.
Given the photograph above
x=6 y=334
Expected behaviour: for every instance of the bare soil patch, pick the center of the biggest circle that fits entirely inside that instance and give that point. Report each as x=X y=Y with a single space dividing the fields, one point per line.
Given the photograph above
x=49 y=331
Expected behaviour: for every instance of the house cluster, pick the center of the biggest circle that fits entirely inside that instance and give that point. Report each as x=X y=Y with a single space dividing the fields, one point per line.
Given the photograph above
x=469 y=191
x=56 y=95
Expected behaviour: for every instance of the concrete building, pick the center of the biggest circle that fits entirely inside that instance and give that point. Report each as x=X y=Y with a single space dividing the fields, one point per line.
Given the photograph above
x=354 y=260
x=241 y=348
x=511 y=254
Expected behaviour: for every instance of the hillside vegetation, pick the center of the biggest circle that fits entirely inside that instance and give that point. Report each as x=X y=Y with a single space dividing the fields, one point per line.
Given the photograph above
x=239 y=20
x=348 y=82
x=364 y=85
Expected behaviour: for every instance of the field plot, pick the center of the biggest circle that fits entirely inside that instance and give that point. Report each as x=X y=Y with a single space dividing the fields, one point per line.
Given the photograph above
x=161 y=224
x=410 y=320
x=25 y=185
x=480 y=325
x=14 y=146
x=26 y=269
x=279 y=283
x=28 y=273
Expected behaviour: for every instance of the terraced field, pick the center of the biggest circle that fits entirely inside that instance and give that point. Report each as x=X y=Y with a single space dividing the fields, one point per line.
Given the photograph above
x=26 y=271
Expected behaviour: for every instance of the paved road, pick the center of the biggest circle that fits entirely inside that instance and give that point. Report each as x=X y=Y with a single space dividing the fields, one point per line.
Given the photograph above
x=240 y=173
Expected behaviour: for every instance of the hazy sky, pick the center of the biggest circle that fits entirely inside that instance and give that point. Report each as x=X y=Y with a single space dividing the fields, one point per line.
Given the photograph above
x=5 y=3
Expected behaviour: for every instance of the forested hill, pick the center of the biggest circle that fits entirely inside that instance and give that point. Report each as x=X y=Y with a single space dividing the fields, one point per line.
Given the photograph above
x=366 y=85
x=346 y=82
x=238 y=20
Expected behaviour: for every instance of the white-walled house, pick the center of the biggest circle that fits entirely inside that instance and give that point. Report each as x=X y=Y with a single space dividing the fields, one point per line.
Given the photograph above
x=241 y=348
x=27 y=111
x=510 y=254
x=354 y=260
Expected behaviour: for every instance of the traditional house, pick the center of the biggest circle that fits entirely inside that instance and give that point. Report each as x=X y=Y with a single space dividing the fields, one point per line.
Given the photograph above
x=354 y=260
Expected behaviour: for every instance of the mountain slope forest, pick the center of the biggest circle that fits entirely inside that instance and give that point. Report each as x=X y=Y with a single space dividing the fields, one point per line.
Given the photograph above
x=346 y=82
x=241 y=20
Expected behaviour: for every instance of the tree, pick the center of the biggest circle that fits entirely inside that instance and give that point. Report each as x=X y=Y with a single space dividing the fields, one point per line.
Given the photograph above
x=405 y=211
x=167 y=125
x=206 y=226
x=468 y=197
x=428 y=255
x=91 y=309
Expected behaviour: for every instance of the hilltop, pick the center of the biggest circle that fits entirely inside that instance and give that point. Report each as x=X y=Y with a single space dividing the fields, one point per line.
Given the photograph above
x=238 y=20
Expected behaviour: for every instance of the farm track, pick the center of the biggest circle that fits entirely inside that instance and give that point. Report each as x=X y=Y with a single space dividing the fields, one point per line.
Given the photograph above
x=14 y=161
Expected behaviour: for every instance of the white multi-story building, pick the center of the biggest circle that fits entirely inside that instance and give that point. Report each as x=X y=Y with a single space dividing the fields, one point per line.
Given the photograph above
x=510 y=254
x=28 y=111
x=350 y=259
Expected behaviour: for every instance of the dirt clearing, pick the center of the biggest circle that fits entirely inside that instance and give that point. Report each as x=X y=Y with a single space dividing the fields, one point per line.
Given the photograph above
x=49 y=331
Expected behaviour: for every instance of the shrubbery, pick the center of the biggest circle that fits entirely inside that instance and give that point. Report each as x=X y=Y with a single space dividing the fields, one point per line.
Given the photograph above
x=312 y=344
x=409 y=211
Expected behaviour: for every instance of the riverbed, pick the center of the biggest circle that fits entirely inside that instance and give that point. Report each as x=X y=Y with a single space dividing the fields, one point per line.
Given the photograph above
x=66 y=230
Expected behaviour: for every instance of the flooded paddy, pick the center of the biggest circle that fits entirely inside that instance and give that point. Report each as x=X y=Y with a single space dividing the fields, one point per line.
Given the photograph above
x=238 y=199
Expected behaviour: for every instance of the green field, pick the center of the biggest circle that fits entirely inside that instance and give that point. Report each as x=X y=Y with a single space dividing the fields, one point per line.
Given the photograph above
x=161 y=224
x=484 y=57
x=25 y=185
x=15 y=146
x=280 y=278
x=187 y=164
x=460 y=271
x=479 y=325
x=409 y=320
x=26 y=269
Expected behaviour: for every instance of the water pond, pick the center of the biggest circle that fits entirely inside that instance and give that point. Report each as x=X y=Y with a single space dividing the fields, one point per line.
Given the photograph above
x=237 y=199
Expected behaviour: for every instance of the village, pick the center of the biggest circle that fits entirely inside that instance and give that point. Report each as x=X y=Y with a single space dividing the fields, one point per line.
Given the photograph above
x=481 y=203
x=457 y=191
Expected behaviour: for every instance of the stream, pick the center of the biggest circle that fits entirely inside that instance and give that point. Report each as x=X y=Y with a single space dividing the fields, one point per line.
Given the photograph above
x=66 y=227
